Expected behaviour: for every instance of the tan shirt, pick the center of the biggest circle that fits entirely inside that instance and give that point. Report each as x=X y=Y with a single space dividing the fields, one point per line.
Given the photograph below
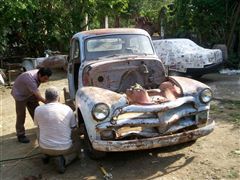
x=25 y=85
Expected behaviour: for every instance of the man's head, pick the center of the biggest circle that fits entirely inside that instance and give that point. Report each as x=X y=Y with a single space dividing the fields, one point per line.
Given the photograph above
x=44 y=74
x=51 y=94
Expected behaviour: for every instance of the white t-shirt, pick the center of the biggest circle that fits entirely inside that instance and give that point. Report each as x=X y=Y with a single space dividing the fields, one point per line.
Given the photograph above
x=55 y=121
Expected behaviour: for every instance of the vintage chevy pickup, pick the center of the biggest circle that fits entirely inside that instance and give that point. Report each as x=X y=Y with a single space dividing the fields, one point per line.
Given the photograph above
x=124 y=99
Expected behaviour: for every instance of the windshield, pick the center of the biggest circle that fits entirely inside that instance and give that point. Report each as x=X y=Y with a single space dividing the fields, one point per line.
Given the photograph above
x=117 y=45
x=185 y=45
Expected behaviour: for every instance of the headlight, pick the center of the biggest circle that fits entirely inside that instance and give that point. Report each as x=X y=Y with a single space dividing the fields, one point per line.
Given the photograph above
x=206 y=95
x=100 y=111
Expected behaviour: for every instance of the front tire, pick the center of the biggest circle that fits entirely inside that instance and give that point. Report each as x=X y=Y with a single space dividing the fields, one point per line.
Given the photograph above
x=92 y=153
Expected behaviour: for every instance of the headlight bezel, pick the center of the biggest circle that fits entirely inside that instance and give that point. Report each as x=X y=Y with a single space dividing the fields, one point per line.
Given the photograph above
x=206 y=95
x=98 y=105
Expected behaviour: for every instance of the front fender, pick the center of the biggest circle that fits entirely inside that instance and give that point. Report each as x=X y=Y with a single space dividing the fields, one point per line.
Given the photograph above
x=189 y=87
x=87 y=97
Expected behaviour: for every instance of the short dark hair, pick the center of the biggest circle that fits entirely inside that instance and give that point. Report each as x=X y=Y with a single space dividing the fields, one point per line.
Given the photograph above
x=43 y=71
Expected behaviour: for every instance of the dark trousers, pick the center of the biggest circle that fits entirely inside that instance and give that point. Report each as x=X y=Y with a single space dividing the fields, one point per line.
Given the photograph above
x=30 y=103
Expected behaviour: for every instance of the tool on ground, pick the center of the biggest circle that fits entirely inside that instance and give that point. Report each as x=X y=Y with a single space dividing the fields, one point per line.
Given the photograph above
x=106 y=175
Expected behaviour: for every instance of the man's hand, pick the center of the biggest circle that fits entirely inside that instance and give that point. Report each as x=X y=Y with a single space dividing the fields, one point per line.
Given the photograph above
x=39 y=97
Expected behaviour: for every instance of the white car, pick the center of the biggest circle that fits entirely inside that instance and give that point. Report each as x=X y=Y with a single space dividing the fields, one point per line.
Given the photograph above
x=185 y=56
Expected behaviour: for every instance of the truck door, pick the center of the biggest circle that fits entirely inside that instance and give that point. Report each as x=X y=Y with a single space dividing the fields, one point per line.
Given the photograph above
x=73 y=67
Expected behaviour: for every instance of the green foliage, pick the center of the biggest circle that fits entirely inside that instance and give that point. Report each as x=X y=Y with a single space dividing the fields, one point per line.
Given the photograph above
x=110 y=8
x=209 y=20
x=28 y=27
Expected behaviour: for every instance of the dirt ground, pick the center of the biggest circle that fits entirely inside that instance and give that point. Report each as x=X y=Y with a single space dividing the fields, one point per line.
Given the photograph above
x=216 y=156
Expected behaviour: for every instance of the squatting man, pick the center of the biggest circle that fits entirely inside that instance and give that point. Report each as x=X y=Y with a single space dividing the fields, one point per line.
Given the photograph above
x=57 y=130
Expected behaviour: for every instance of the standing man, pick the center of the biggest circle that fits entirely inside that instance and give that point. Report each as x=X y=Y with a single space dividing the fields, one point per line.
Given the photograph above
x=57 y=127
x=27 y=95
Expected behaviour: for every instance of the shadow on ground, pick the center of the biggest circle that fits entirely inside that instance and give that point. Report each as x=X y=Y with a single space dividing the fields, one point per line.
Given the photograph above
x=147 y=164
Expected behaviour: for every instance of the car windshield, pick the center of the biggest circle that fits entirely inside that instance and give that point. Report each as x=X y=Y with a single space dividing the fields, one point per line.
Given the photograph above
x=186 y=45
x=117 y=45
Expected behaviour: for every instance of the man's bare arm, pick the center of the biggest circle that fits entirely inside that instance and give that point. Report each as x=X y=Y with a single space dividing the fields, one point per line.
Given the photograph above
x=38 y=95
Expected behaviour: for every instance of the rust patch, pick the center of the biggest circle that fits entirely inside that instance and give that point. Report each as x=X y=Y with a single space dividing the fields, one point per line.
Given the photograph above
x=138 y=96
x=167 y=91
x=155 y=142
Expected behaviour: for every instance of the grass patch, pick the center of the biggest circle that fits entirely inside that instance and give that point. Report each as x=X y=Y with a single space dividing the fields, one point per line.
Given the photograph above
x=232 y=174
x=227 y=108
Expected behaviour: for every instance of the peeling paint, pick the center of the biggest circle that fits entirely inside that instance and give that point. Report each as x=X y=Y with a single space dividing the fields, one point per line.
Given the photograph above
x=181 y=54
x=155 y=142
x=173 y=113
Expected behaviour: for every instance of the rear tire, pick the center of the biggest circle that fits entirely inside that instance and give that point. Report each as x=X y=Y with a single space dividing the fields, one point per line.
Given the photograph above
x=92 y=153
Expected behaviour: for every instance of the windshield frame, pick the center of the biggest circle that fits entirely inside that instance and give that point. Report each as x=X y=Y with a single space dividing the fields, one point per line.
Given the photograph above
x=124 y=51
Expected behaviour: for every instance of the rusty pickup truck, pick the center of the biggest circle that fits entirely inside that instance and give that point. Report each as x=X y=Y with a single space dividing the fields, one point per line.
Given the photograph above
x=125 y=100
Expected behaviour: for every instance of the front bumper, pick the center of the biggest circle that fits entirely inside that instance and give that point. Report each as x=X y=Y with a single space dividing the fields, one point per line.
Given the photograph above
x=207 y=69
x=155 y=142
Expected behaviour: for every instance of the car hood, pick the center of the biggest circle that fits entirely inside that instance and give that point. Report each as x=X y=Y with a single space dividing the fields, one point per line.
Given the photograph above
x=201 y=57
x=194 y=58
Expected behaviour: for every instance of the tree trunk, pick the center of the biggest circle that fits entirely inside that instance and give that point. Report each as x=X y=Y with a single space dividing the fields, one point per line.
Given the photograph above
x=117 y=22
x=233 y=26
x=106 y=21
x=102 y=22
x=236 y=43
